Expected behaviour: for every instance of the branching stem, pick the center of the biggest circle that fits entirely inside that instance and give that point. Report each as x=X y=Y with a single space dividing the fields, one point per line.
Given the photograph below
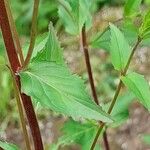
x=116 y=93
x=84 y=46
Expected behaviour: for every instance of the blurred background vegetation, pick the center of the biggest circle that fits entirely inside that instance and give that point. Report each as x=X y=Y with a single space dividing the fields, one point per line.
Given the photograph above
x=105 y=76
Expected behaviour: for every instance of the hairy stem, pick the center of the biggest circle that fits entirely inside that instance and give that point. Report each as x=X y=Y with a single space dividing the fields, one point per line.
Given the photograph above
x=33 y=33
x=15 y=66
x=116 y=93
x=90 y=74
x=20 y=109
x=14 y=32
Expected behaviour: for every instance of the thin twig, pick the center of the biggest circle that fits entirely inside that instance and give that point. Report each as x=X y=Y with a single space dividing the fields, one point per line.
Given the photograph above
x=14 y=32
x=20 y=109
x=33 y=33
x=84 y=45
x=116 y=93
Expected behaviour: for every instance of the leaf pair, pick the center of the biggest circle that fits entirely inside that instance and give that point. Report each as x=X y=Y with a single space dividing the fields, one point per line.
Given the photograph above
x=49 y=81
x=120 y=52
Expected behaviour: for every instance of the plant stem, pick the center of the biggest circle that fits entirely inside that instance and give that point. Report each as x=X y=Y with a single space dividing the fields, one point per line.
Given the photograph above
x=14 y=31
x=116 y=93
x=15 y=66
x=90 y=74
x=105 y=139
x=88 y=64
x=20 y=109
x=33 y=33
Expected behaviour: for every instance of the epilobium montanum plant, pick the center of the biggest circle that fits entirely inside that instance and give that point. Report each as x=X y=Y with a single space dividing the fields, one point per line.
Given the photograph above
x=41 y=74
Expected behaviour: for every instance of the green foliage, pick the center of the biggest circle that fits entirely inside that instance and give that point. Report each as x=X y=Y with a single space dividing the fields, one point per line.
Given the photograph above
x=101 y=40
x=144 y=30
x=139 y=86
x=8 y=146
x=56 y=88
x=146 y=138
x=130 y=31
x=5 y=88
x=39 y=45
x=120 y=49
x=120 y=111
x=74 y=13
x=77 y=133
x=49 y=81
x=50 y=48
x=47 y=11
x=131 y=8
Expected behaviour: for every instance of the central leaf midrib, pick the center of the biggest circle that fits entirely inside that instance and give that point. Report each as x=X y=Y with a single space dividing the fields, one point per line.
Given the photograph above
x=65 y=94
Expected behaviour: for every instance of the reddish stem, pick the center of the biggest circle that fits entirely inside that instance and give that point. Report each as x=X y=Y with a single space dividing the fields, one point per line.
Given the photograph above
x=15 y=66
x=90 y=74
x=88 y=64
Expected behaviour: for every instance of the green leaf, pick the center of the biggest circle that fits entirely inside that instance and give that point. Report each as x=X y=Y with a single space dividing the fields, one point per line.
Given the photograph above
x=56 y=88
x=101 y=40
x=119 y=48
x=131 y=7
x=120 y=111
x=77 y=133
x=146 y=138
x=39 y=45
x=8 y=146
x=74 y=13
x=139 y=86
x=52 y=50
x=144 y=30
x=130 y=31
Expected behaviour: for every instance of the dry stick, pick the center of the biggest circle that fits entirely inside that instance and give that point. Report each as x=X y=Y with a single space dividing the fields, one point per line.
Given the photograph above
x=116 y=93
x=20 y=109
x=89 y=70
x=14 y=31
x=33 y=33
x=15 y=66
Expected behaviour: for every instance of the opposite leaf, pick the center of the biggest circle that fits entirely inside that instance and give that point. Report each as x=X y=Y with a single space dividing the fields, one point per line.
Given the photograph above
x=119 y=48
x=139 y=86
x=8 y=146
x=131 y=7
x=77 y=133
x=56 y=88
